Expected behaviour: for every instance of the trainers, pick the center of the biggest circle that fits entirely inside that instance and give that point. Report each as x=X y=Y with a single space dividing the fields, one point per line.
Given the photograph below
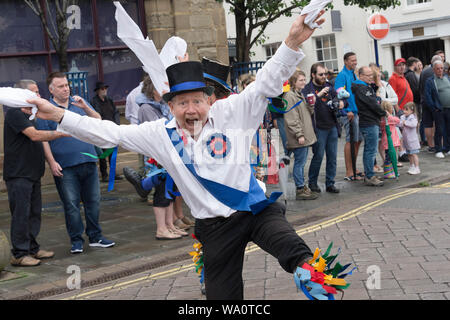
x=439 y=155
x=25 y=261
x=332 y=189
x=102 y=243
x=76 y=248
x=135 y=179
x=305 y=194
x=43 y=254
x=414 y=170
x=431 y=149
x=374 y=181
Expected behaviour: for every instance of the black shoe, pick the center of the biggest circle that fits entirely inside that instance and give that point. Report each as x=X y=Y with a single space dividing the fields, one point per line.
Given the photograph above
x=403 y=158
x=314 y=188
x=135 y=179
x=332 y=189
x=118 y=177
x=105 y=179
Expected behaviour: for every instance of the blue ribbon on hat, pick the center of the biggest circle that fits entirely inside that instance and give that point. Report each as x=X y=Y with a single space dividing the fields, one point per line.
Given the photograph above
x=188 y=85
x=208 y=76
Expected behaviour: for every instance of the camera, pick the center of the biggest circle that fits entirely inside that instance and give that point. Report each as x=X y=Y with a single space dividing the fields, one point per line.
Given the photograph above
x=333 y=105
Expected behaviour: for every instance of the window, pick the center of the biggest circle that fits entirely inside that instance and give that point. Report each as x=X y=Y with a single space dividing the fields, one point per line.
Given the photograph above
x=93 y=45
x=271 y=49
x=413 y=2
x=326 y=51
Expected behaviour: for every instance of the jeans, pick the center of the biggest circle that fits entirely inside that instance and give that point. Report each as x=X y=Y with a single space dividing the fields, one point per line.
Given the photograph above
x=327 y=143
x=80 y=183
x=224 y=241
x=282 y=130
x=370 y=135
x=300 y=156
x=441 y=134
x=25 y=203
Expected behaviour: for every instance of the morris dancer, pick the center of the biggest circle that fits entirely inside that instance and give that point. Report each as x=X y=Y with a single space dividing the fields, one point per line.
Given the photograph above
x=206 y=151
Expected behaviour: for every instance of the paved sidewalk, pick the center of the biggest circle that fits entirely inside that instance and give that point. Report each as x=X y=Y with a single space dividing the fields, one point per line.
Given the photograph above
x=404 y=238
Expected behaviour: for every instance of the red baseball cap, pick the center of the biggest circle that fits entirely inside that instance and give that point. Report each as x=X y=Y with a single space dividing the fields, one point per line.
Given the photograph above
x=398 y=61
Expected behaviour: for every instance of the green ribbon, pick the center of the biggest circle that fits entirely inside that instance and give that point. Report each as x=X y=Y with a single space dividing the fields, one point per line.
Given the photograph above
x=105 y=154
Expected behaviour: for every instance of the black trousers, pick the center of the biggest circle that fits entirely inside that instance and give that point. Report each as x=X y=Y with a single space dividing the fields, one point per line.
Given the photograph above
x=25 y=204
x=104 y=166
x=224 y=241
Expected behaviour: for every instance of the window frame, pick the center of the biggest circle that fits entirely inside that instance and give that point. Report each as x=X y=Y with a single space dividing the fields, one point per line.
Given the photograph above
x=273 y=48
x=97 y=48
x=334 y=61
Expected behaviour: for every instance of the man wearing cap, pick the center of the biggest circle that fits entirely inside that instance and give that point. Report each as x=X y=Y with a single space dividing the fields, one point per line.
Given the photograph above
x=105 y=106
x=400 y=85
x=206 y=151
x=404 y=93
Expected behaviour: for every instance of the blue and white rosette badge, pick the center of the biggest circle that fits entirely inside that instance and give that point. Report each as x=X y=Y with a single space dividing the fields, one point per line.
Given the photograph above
x=218 y=145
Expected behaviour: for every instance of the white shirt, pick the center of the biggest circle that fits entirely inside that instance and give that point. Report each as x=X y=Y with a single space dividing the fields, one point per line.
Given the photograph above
x=237 y=117
x=131 y=107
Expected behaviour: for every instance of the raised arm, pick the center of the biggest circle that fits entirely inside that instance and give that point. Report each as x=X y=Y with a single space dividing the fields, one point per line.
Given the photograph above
x=102 y=133
x=246 y=110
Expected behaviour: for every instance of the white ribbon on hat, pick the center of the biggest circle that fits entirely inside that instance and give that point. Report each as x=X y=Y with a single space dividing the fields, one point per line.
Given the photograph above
x=17 y=98
x=153 y=63
x=312 y=10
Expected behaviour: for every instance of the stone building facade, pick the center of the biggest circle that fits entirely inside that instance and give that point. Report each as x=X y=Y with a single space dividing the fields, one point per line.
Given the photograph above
x=200 y=22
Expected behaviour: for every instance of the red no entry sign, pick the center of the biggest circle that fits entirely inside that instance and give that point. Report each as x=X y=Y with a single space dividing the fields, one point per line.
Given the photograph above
x=378 y=26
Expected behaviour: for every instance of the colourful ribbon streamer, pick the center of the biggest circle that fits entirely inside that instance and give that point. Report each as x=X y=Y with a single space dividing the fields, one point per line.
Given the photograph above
x=282 y=110
x=318 y=279
x=112 y=164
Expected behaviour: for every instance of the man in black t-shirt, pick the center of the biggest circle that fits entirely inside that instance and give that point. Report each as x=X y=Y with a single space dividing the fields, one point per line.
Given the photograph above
x=325 y=123
x=23 y=168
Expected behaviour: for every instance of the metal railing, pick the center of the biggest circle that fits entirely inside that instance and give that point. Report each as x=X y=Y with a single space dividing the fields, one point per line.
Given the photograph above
x=239 y=68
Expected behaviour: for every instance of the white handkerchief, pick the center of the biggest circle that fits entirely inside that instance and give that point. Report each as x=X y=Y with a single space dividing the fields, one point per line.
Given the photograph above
x=144 y=49
x=17 y=98
x=173 y=48
x=312 y=10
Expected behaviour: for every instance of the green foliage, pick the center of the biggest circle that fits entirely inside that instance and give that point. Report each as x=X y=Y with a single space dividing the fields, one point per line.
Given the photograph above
x=382 y=4
x=253 y=16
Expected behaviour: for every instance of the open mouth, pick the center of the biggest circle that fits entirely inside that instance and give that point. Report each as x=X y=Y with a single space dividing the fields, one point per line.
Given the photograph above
x=191 y=122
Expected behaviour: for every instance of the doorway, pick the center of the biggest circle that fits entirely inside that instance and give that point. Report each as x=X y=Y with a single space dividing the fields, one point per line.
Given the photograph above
x=423 y=50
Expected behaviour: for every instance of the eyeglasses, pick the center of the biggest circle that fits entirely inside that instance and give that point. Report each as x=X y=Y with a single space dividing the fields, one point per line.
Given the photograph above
x=321 y=74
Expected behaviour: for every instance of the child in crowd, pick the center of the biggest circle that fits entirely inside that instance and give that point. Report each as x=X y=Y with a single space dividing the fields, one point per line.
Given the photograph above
x=392 y=121
x=408 y=121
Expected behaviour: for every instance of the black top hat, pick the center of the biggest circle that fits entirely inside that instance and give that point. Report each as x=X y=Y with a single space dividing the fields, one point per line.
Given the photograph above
x=100 y=85
x=216 y=72
x=186 y=77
